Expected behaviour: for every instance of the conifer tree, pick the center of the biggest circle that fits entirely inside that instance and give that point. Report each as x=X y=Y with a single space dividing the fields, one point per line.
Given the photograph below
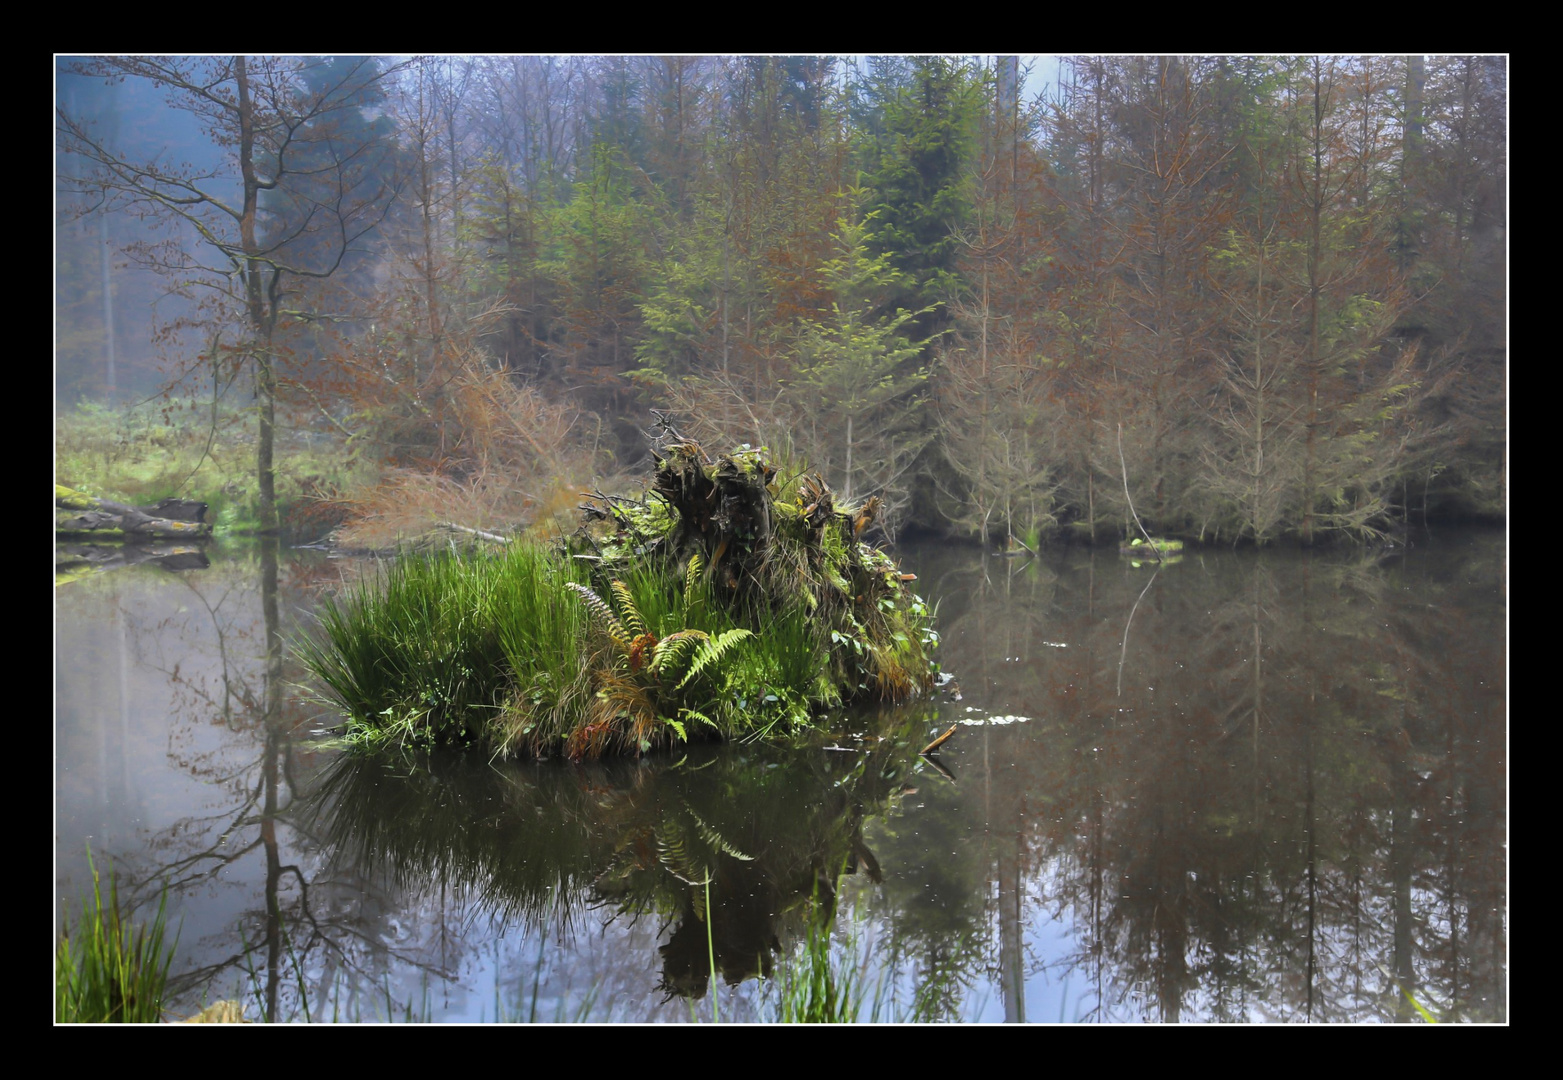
x=858 y=378
x=920 y=199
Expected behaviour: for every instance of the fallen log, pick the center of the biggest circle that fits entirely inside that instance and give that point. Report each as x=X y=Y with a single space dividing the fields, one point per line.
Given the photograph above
x=479 y=533
x=78 y=514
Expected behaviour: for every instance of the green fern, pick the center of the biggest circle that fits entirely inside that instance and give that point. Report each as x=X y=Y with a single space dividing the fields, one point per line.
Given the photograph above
x=673 y=647
x=695 y=714
x=712 y=652
x=674 y=854
x=714 y=838
x=692 y=590
x=627 y=609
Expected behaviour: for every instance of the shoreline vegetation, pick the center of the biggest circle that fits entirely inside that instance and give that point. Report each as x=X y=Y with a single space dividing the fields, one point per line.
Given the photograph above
x=107 y=971
x=330 y=494
x=733 y=599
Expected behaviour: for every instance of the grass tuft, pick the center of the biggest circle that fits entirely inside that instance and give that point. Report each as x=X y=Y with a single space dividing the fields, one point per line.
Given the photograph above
x=107 y=973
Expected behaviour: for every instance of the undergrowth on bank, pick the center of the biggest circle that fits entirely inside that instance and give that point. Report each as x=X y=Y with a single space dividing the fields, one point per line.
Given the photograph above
x=140 y=454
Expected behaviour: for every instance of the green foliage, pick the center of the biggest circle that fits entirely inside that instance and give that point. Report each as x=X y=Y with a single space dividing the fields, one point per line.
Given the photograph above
x=870 y=95
x=920 y=196
x=500 y=653
x=460 y=648
x=815 y=989
x=605 y=618
x=595 y=261
x=140 y=454
x=711 y=652
x=683 y=305
x=104 y=971
x=671 y=657
x=859 y=371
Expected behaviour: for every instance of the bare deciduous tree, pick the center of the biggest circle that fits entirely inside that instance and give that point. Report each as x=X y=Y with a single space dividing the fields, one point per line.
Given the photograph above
x=250 y=267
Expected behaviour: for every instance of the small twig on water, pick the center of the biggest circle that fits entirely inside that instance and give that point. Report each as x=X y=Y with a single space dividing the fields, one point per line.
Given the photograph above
x=931 y=747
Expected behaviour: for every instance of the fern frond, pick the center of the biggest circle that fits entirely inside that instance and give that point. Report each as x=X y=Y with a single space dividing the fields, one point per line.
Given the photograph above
x=602 y=615
x=695 y=714
x=622 y=695
x=714 y=838
x=670 y=843
x=675 y=645
x=633 y=619
x=692 y=585
x=712 y=652
x=673 y=853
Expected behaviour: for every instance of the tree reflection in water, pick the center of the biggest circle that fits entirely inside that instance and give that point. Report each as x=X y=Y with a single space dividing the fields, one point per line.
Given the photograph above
x=1294 y=786
x=1277 y=793
x=208 y=733
x=768 y=831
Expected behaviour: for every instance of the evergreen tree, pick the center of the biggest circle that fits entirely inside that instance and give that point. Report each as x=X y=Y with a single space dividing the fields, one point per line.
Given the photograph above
x=858 y=375
x=920 y=199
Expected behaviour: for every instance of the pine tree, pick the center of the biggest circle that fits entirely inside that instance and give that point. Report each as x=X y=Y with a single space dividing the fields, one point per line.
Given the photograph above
x=858 y=371
x=920 y=196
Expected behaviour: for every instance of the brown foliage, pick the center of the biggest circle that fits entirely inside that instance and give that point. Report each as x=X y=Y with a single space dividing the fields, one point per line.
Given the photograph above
x=500 y=457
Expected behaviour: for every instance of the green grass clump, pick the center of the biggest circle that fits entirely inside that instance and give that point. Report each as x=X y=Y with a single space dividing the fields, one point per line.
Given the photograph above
x=815 y=989
x=107 y=973
x=519 y=655
x=437 y=651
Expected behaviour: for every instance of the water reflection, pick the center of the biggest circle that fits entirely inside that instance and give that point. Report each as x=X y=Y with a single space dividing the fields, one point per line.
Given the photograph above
x=182 y=683
x=1241 y=788
x=734 y=852
x=1275 y=796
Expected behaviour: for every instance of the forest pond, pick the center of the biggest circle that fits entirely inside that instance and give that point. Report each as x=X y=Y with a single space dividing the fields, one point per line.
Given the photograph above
x=1244 y=787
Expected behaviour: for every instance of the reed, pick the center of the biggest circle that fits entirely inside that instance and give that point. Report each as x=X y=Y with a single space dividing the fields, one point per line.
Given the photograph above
x=816 y=989
x=422 y=653
x=107 y=972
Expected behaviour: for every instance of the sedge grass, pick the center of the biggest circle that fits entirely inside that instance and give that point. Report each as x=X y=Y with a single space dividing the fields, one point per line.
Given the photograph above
x=815 y=989
x=498 y=651
x=424 y=656
x=107 y=973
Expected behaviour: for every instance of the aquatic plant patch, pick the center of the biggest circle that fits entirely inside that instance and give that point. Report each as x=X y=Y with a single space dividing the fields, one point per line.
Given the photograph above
x=723 y=602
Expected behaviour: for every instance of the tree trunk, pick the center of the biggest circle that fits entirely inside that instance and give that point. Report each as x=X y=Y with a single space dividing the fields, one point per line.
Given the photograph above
x=261 y=306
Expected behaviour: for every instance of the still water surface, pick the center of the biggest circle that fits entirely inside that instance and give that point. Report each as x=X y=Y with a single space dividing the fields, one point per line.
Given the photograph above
x=1246 y=787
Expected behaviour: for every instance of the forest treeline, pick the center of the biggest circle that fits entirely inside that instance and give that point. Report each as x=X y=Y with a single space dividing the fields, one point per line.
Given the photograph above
x=1265 y=295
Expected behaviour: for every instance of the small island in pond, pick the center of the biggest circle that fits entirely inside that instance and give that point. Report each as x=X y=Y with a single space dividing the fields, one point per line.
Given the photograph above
x=729 y=600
